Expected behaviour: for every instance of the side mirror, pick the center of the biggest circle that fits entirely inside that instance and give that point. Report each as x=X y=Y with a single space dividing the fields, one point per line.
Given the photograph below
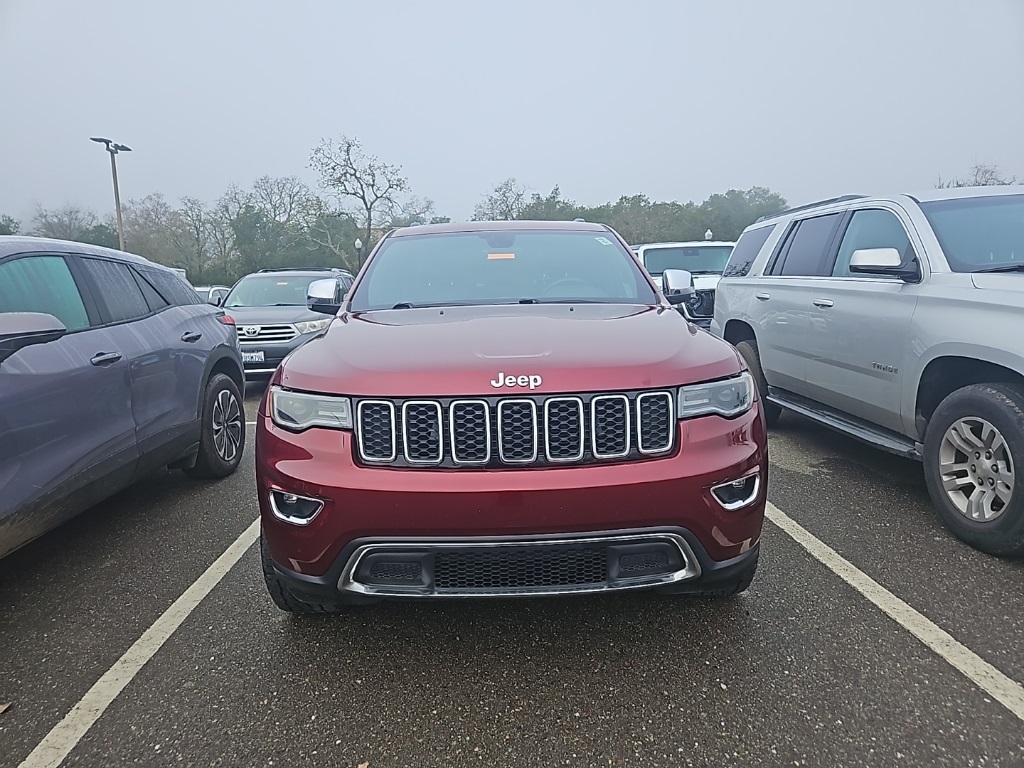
x=24 y=329
x=215 y=299
x=883 y=261
x=323 y=296
x=678 y=285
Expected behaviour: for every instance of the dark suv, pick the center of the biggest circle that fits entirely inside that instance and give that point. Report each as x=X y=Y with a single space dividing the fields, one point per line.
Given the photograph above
x=110 y=367
x=272 y=318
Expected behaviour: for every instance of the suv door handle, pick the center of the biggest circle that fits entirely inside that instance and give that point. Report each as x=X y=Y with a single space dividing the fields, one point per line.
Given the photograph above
x=762 y=296
x=105 y=358
x=190 y=337
x=823 y=303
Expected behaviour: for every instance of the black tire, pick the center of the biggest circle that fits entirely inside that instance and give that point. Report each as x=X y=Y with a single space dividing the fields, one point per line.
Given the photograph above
x=740 y=583
x=1002 y=406
x=748 y=350
x=210 y=464
x=283 y=597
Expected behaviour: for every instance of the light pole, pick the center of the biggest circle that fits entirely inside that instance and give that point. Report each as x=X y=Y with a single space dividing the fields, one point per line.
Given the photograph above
x=113 y=148
x=359 y=253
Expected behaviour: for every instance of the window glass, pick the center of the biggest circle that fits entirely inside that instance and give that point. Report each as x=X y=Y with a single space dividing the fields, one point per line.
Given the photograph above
x=746 y=250
x=502 y=267
x=118 y=289
x=697 y=259
x=870 y=229
x=271 y=290
x=42 y=284
x=979 y=233
x=806 y=254
x=171 y=286
x=155 y=301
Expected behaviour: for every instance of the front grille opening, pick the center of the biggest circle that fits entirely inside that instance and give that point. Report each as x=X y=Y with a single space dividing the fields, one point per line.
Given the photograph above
x=421 y=432
x=521 y=568
x=517 y=431
x=564 y=429
x=611 y=425
x=391 y=572
x=655 y=423
x=471 y=432
x=646 y=561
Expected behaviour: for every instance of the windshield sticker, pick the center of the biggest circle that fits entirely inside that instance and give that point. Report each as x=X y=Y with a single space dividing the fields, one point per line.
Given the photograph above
x=603 y=240
x=500 y=256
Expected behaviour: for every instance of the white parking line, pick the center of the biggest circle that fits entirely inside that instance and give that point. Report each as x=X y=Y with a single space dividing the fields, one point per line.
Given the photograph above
x=56 y=745
x=1002 y=688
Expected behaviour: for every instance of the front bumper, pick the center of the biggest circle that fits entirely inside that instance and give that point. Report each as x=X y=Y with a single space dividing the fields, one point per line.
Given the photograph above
x=441 y=510
x=273 y=353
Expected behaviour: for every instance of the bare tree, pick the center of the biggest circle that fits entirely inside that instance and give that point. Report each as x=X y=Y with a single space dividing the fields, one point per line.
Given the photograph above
x=192 y=235
x=504 y=203
x=981 y=175
x=151 y=227
x=67 y=223
x=9 y=225
x=368 y=187
x=285 y=199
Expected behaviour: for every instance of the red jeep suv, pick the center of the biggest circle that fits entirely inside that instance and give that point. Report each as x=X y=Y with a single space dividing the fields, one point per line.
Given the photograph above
x=507 y=409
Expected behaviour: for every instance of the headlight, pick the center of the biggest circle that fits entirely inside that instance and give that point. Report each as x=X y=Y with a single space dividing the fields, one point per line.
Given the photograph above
x=299 y=410
x=313 y=325
x=728 y=398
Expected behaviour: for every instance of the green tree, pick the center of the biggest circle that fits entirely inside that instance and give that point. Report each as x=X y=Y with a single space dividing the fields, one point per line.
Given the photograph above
x=503 y=203
x=550 y=207
x=100 y=234
x=9 y=225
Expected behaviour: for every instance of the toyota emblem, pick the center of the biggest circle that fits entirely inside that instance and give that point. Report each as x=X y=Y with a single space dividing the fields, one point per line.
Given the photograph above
x=251 y=330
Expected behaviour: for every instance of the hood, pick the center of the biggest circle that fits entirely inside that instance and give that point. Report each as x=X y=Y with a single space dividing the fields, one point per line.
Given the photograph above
x=1012 y=282
x=479 y=351
x=271 y=315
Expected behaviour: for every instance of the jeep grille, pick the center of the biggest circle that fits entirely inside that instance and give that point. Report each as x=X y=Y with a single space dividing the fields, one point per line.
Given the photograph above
x=528 y=431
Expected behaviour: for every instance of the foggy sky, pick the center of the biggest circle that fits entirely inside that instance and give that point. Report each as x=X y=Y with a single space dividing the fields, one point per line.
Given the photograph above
x=677 y=99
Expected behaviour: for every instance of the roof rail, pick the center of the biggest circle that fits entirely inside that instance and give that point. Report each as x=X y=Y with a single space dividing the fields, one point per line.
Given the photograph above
x=828 y=201
x=301 y=269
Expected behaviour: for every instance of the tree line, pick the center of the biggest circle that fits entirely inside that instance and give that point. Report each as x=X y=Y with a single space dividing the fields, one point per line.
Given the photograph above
x=281 y=221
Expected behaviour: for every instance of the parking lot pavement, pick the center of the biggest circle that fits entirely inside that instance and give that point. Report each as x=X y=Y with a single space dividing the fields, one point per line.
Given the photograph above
x=800 y=670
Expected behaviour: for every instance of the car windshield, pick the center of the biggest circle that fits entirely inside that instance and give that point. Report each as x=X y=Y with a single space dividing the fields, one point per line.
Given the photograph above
x=698 y=259
x=979 y=233
x=270 y=291
x=204 y=293
x=501 y=267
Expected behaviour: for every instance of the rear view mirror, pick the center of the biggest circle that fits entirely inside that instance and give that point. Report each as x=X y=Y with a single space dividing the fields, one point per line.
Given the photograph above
x=678 y=285
x=883 y=261
x=323 y=296
x=24 y=329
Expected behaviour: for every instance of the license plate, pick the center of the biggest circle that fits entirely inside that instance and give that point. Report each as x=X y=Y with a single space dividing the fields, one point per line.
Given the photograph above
x=252 y=357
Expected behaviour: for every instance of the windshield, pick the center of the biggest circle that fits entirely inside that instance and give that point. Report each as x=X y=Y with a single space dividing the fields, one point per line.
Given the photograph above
x=698 y=259
x=204 y=293
x=979 y=233
x=501 y=267
x=269 y=291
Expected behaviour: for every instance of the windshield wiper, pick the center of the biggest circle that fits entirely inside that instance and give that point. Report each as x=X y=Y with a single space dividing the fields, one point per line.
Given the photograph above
x=1003 y=268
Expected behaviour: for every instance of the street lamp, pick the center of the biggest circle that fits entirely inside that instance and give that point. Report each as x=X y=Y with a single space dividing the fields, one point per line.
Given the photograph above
x=359 y=251
x=113 y=148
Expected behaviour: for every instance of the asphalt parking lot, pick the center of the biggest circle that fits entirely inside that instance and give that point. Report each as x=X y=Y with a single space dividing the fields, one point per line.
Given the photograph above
x=818 y=664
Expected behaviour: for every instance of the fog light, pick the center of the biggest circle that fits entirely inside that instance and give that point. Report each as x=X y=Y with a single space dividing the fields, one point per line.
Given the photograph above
x=295 y=509
x=737 y=494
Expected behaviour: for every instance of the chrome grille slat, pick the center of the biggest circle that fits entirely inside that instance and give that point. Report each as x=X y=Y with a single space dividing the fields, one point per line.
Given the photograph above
x=266 y=333
x=526 y=431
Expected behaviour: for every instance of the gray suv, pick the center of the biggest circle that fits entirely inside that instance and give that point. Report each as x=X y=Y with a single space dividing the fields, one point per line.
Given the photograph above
x=270 y=313
x=897 y=320
x=110 y=367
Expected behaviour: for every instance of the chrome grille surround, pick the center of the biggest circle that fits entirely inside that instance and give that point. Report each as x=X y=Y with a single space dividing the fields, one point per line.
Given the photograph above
x=271 y=333
x=515 y=432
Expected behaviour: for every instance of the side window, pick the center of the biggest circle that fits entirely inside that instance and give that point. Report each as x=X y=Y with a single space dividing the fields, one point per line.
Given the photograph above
x=746 y=250
x=155 y=300
x=873 y=228
x=172 y=287
x=42 y=284
x=118 y=289
x=808 y=245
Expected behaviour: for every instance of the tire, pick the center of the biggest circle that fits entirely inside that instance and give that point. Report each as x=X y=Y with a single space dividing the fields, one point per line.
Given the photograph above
x=1000 y=406
x=739 y=583
x=223 y=428
x=750 y=354
x=283 y=597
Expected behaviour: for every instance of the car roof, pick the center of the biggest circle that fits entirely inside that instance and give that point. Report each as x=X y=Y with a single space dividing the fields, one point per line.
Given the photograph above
x=15 y=244
x=301 y=271
x=499 y=226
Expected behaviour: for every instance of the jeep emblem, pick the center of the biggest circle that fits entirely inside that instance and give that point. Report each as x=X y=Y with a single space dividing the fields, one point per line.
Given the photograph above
x=532 y=381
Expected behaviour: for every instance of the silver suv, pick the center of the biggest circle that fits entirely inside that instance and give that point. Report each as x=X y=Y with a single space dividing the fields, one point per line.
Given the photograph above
x=898 y=321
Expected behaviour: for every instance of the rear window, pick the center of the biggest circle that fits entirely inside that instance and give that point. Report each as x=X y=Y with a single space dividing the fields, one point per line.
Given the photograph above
x=745 y=252
x=501 y=267
x=171 y=286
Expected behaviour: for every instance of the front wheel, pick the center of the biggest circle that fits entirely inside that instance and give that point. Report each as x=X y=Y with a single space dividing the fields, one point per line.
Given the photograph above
x=973 y=447
x=222 y=439
x=752 y=357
